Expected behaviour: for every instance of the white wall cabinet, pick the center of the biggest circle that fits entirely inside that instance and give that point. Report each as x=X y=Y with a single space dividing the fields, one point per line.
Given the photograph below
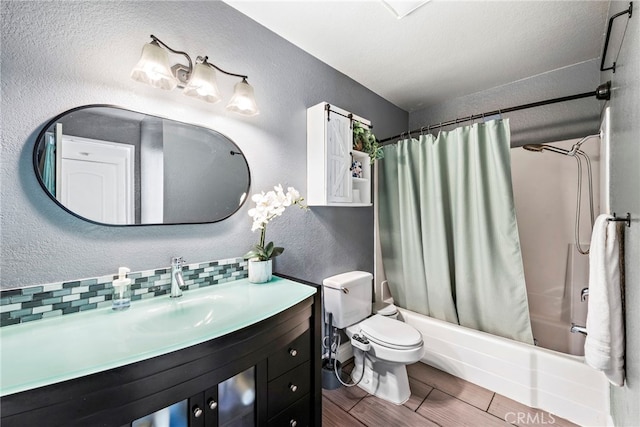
x=330 y=156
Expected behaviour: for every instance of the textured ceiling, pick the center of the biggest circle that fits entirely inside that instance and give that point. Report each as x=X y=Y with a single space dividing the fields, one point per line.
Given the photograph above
x=444 y=49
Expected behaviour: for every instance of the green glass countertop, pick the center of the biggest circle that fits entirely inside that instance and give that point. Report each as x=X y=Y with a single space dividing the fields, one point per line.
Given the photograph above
x=45 y=352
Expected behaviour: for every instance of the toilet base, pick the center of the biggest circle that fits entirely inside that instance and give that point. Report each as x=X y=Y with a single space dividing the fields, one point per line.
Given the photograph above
x=386 y=380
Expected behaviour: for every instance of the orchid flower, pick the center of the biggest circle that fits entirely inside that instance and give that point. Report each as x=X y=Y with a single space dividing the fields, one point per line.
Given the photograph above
x=270 y=205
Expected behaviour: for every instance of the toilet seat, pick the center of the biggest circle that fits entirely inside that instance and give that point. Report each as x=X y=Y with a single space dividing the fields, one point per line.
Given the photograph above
x=385 y=309
x=390 y=332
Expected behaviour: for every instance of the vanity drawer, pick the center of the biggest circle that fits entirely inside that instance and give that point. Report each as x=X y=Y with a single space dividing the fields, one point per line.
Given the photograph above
x=290 y=356
x=297 y=415
x=288 y=388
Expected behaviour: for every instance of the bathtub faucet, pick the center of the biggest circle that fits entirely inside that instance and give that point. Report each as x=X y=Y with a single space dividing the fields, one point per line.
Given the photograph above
x=177 y=281
x=578 y=329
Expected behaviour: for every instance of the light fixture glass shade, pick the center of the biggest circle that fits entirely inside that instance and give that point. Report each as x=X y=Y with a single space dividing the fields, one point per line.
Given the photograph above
x=153 y=68
x=202 y=84
x=242 y=101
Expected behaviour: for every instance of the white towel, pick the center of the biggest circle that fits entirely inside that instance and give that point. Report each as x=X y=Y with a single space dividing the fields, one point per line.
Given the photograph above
x=604 y=346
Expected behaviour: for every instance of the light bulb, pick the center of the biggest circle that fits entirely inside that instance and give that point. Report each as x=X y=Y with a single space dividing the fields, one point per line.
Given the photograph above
x=153 y=68
x=202 y=84
x=243 y=101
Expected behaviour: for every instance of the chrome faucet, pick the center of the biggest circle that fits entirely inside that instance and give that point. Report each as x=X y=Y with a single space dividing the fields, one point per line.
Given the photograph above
x=176 y=277
x=578 y=329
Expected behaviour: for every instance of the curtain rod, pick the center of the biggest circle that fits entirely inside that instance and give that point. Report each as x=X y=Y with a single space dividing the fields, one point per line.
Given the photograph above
x=602 y=92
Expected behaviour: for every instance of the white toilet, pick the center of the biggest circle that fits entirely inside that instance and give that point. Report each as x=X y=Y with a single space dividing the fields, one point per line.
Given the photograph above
x=382 y=345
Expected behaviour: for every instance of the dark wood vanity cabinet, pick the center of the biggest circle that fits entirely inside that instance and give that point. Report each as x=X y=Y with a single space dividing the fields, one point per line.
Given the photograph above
x=288 y=389
x=284 y=352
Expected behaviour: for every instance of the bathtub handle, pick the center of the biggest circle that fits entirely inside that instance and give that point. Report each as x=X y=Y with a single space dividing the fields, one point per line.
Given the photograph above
x=578 y=329
x=584 y=294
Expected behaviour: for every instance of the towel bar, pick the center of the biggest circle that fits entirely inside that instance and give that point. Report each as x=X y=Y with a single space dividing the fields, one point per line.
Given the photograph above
x=626 y=219
x=606 y=42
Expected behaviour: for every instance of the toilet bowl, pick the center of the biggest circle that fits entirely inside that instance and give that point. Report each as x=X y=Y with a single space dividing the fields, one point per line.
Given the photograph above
x=382 y=345
x=393 y=345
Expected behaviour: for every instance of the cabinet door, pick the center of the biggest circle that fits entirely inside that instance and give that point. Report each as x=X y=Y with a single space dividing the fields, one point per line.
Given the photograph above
x=339 y=139
x=237 y=400
x=176 y=415
x=229 y=404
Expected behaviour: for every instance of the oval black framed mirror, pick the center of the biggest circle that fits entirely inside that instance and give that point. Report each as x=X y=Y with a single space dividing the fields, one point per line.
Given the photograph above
x=113 y=166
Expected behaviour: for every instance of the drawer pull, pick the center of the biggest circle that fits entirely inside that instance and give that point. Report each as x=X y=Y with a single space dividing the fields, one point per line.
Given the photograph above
x=293 y=352
x=197 y=412
x=293 y=387
x=293 y=423
x=213 y=404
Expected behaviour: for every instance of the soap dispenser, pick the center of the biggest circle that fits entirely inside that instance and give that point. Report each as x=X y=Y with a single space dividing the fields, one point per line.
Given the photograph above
x=121 y=290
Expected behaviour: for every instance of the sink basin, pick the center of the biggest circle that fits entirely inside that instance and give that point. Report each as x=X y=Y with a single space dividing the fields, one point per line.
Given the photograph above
x=181 y=314
x=97 y=340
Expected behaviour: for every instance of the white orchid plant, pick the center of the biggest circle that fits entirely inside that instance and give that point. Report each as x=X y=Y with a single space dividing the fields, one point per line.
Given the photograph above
x=269 y=206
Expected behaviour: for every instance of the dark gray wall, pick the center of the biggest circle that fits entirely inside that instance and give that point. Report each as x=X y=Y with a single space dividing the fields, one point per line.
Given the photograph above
x=625 y=194
x=557 y=122
x=58 y=55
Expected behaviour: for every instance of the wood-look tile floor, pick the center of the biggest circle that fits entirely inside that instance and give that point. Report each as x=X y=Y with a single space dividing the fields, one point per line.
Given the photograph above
x=437 y=399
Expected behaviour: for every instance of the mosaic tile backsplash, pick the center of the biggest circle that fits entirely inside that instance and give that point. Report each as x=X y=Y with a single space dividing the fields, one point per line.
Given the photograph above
x=60 y=298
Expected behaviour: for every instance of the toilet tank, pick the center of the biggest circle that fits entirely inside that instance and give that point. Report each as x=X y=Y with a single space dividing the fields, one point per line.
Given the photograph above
x=347 y=297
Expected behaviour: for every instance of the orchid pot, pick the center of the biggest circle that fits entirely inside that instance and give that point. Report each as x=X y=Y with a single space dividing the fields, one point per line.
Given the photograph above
x=260 y=271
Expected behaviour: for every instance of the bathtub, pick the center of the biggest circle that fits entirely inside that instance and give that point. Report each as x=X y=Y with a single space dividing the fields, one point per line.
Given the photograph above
x=555 y=382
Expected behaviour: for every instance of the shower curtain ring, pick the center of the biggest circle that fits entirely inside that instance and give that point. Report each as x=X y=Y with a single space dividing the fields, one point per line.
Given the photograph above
x=422 y=130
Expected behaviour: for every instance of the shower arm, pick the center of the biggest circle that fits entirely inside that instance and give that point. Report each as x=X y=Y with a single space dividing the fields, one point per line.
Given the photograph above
x=576 y=147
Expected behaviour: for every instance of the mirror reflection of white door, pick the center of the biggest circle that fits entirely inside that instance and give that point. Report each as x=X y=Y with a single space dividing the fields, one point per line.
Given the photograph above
x=95 y=179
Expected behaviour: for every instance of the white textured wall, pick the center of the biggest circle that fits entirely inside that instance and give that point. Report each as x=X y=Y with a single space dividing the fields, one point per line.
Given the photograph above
x=625 y=194
x=545 y=186
x=59 y=55
x=554 y=122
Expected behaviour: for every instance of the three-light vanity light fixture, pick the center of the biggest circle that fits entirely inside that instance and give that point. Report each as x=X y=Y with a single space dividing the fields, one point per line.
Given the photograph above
x=197 y=80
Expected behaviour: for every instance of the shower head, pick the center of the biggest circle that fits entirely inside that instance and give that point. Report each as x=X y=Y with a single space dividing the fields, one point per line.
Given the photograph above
x=534 y=147
x=540 y=147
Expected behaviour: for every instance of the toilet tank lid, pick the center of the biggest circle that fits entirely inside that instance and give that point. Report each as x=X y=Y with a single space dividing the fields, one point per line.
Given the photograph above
x=340 y=280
